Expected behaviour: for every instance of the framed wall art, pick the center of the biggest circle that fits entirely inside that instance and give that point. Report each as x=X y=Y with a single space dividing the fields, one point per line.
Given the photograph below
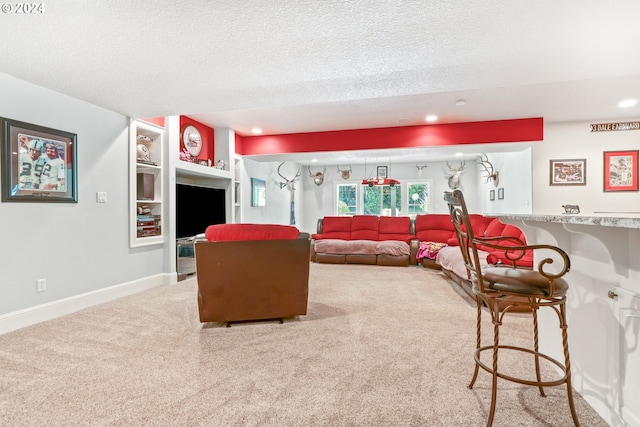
x=258 y=192
x=500 y=193
x=621 y=170
x=381 y=172
x=568 y=172
x=39 y=164
x=492 y=195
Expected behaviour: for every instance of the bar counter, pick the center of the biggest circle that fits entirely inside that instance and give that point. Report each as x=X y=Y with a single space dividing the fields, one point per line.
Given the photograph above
x=603 y=305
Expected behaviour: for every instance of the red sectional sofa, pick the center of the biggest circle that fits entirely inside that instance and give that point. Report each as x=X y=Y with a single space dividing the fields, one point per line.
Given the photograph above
x=363 y=239
x=436 y=231
x=429 y=240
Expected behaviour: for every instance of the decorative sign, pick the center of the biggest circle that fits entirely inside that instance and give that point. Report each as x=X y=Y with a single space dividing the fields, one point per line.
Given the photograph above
x=603 y=127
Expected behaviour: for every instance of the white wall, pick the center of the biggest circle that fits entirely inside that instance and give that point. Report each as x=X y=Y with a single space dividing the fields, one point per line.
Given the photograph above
x=576 y=141
x=277 y=210
x=79 y=247
x=515 y=169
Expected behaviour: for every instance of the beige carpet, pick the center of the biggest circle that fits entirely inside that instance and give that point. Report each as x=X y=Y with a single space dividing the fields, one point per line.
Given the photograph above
x=380 y=346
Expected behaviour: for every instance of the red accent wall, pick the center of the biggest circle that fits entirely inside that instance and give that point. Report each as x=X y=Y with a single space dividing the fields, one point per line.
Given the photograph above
x=158 y=121
x=207 y=137
x=516 y=130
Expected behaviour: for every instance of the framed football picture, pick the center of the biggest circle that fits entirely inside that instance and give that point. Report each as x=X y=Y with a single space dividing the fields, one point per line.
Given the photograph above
x=38 y=163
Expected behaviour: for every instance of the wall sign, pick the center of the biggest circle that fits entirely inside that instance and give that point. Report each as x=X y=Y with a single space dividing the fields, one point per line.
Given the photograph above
x=604 y=127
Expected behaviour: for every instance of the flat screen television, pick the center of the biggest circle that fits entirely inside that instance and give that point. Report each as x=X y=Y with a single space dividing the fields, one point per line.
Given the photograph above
x=198 y=207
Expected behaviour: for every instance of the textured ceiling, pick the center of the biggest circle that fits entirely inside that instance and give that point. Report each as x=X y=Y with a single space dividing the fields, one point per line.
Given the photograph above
x=301 y=66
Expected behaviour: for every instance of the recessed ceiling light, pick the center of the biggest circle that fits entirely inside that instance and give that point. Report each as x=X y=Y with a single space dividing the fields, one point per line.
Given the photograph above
x=431 y=118
x=458 y=154
x=628 y=103
x=314 y=160
x=256 y=131
x=461 y=102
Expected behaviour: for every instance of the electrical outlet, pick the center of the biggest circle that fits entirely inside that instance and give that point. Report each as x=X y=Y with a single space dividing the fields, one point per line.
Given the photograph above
x=101 y=197
x=41 y=285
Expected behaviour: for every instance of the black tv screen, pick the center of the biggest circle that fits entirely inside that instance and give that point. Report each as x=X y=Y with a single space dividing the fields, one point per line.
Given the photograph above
x=198 y=207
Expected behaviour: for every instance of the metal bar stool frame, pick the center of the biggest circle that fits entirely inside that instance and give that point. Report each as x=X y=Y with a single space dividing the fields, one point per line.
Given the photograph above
x=508 y=288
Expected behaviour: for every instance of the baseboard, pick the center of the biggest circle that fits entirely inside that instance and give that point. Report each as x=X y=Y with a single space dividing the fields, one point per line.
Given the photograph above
x=40 y=313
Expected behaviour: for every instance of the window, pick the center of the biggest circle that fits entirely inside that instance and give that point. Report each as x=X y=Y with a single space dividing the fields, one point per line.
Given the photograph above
x=418 y=198
x=382 y=200
x=347 y=199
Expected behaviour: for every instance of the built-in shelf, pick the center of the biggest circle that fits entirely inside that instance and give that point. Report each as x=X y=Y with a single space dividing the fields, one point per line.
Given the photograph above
x=199 y=171
x=145 y=184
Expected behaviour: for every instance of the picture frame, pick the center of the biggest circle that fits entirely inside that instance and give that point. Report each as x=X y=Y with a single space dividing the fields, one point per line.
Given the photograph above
x=492 y=195
x=570 y=172
x=500 y=193
x=258 y=192
x=31 y=177
x=381 y=172
x=620 y=170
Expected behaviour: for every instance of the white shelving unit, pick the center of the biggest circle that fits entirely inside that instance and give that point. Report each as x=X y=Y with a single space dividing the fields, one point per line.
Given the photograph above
x=237 y=190
x=145 y=184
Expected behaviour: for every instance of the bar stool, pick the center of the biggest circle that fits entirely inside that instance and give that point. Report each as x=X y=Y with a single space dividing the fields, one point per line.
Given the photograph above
x=507 y=288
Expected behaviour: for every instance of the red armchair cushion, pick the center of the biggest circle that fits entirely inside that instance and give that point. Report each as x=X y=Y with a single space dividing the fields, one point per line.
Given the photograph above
x=364 y=227
x=225 y=232
x=394 y=228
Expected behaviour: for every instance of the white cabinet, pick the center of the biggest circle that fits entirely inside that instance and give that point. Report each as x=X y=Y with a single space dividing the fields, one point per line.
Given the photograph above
x=145 y=184
x=628 y=317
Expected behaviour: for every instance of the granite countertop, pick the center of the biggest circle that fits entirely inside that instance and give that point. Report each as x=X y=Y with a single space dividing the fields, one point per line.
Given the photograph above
x=620 y=220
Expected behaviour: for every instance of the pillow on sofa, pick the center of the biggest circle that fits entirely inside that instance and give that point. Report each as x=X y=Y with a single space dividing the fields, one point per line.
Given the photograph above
x=225 y=232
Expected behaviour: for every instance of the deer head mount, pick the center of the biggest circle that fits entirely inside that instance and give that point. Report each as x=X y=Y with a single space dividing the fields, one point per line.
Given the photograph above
x=491 y=174
x=346 y=173
x=290 y=184
x=454 y=179
x=420 y=167
x=318 y=178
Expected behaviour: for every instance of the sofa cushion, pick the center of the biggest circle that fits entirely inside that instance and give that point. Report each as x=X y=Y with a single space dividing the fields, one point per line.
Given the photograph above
x=364 y=227
x=395 y=228
x=479 y=224
x=331 y=246
x=450 y=258
x=225 y=232
x=497 y=228
x=392 y=247
x=435 y=228
x=338 y=246
x=362 y=247
x=335 y=227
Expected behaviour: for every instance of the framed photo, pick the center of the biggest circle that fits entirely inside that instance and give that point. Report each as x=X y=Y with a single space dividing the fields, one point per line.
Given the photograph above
x=381 y=172
x=621 y=170
x=38 y=163
x=568 y=172
x=258 y=192
x=500 y=193
x=492 y=195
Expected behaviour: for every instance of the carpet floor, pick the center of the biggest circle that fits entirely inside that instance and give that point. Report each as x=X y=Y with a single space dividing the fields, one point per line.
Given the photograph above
x=380 y=346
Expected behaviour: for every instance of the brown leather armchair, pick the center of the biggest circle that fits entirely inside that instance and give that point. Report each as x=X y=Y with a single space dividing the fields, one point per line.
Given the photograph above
x=242 y=280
